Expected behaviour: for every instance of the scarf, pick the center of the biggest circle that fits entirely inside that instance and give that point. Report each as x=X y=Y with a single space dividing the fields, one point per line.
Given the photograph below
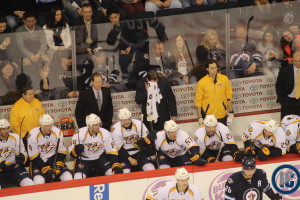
x=153 y=98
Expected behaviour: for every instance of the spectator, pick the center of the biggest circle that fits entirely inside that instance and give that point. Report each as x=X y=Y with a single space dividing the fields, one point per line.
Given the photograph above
x=73 y=9
x=43 y=8
x=211 y=48
x=238 y=43
x=288 y=47
x=197 y=73
x=214 y=2
x=288 y=87
x=160 y=57
x=267 y=46
x=132 y=6
x=27 y=110
x=155 y=5
x=7 y=77
x=5 y=40
x=189 y=3
x=214 y=96
x=57 y=32
x=162 y=106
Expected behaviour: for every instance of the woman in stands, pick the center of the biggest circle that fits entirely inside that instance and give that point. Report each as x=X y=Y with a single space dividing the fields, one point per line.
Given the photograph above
x=288 y=47
x=5 y=40
x=7 y=77
x=268 y=46
x=211 y=48
x=57 y=32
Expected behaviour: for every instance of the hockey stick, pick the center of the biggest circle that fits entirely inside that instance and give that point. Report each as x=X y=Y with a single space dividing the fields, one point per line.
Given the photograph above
x=219 y=153
x=55 y=155
x=107 y=67
x=151 y=129
x=114 y=62
x=79 y=156
x=20 y=143
x=187 y=46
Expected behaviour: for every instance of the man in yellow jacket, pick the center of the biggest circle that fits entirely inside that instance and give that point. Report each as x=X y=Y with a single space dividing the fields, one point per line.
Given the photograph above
x=214 y=96
x=26 y=107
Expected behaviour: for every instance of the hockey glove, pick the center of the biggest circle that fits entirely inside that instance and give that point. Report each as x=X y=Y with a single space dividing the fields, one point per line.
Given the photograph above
x=238 y=156
x=263 y=154
x=230 y=119
x=211 y=159
x=20 y=159
x=79 y=148
x=298 y=147
x=117 y=168
x=58 y=167
x=6 y=166
x=249 y=152
x=276 y=197
x=151 y=137
x=200 y=120
x=47 y=172
x=200 y=162
x=139 y=144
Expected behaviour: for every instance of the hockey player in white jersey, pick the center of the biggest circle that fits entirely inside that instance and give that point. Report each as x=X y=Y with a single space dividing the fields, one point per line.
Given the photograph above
x=287 y=120
x=94 y=150
x=293 y=137
x=213 y=137
x=264 y=138
x=125 y=133
x=47 y=164
x=181 y=189
x=12 y=160
x=176 y=148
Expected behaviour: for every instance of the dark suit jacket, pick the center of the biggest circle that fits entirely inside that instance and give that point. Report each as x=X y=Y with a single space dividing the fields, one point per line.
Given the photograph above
x=167 y=104
x=285 y=82
x=87 y=104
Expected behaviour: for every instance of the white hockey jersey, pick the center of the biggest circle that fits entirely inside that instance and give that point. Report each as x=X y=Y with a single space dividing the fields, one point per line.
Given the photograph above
x=292 y=134
x=45 y=146
x=182 y=143
x=10 y=147
x=287 y=120
x=255 y=134
x=222 y=134
x=94 y=145
x=122 y=136
x=168 y=191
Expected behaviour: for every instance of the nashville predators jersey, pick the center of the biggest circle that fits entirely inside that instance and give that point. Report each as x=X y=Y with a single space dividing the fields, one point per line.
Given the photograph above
x=169 y=191
x=10 y=147
x=222 y=134
x=126 y=137
x=254 y=133
x=179 y=147
x=94 y=145
x=287 y=120
x=292 y=134
x=45 y=145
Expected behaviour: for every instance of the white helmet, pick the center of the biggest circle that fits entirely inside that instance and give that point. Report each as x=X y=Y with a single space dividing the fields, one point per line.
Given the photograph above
x=92 y=119
x=170 y=126
x=4 y=123
x=124 y=113
x=46 y=119
x=181 y=173
x=271 y=125
x=210 y=121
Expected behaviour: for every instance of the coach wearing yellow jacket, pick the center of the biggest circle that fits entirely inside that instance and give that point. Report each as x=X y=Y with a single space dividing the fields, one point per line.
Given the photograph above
x=214 y=96
x=29 y=107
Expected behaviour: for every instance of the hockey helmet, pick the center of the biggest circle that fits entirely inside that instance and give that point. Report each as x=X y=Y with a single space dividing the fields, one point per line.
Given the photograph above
x=4 y=123
x=271 y=125
x=248 y=163
x=170 y=126
x=210 y=121
x=92 y=119
x=124 y=113
x=181 y=173
x=46 y=119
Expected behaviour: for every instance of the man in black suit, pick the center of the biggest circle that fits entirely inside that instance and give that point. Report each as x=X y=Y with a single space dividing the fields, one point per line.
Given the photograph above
x=166 y=107
x=91 y=99
x=288 y=87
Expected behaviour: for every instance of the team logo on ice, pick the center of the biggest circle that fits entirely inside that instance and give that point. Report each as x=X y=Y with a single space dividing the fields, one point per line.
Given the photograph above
x=251 y=194
x=217 y=186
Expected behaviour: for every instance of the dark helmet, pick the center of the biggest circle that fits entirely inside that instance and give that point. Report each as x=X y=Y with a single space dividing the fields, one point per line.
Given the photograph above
x=248 y=163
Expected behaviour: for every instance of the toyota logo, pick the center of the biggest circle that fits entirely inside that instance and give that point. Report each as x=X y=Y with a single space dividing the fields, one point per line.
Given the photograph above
x=133 y=108
x=185 y=96
x=62 y=103
x=271 y=92
x=237 y=109
x=271 y=105
x=185 y=108
x=271 y=79
x=116 y=103
x=236 y=96
x=131 y=96
x=236 y=83
x=47 y=111
x=6 y=116
x=254 y=100
x=253 y=87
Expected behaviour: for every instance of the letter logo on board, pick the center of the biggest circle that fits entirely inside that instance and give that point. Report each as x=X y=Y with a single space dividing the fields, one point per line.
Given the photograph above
x=99 y=192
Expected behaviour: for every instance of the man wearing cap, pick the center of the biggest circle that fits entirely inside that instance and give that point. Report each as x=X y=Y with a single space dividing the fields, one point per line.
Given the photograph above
x=264 y=138
x=176 y=148
x=179 y=189
x=94 y=150
x=47 y=159
x=125 y=133
x=250 y=183
x=214 y=137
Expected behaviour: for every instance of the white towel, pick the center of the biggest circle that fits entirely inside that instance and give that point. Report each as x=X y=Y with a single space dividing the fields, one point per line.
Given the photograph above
x=153 y=98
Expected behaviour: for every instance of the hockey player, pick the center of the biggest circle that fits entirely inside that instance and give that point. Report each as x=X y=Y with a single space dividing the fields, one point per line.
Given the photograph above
x=249 y=183
x=287 y=120
x=264 y=139
x=181 y=189
x=12 y=160
x=47 y=164
x=176 y=148
x=92 y=149
x=213 y=137
x=292 y=137
x=125 y=133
